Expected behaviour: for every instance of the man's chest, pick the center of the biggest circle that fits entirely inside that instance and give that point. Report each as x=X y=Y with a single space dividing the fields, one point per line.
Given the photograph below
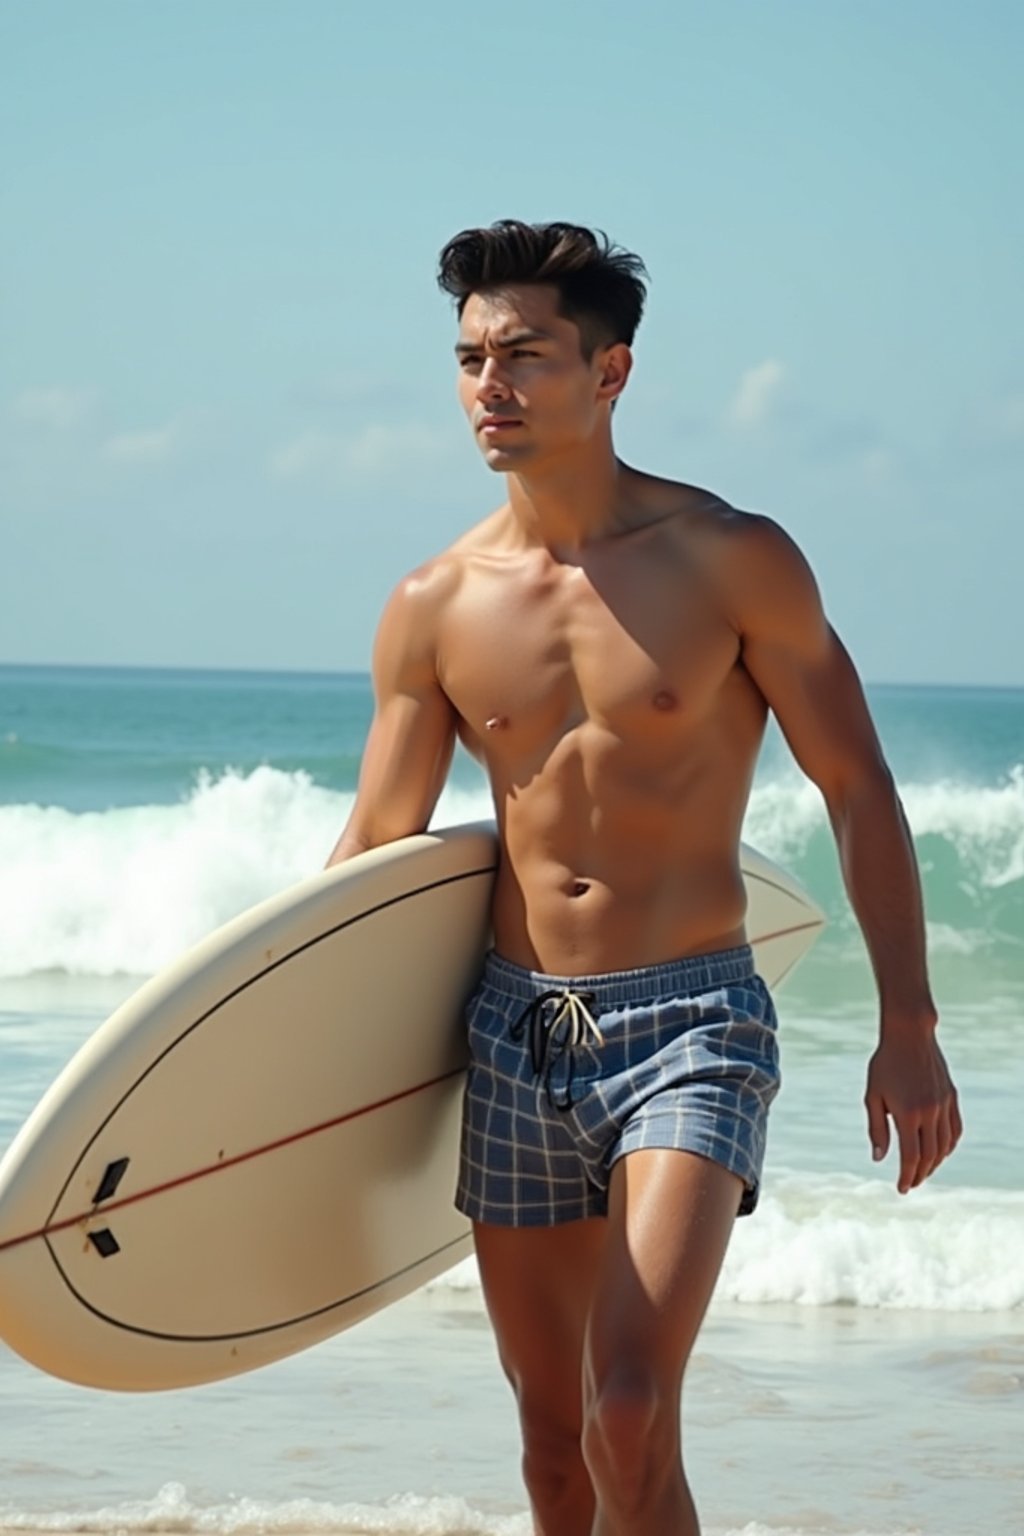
x=624 y=647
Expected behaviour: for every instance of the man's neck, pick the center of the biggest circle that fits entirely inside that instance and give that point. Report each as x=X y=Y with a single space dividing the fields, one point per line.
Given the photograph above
x=570 y=504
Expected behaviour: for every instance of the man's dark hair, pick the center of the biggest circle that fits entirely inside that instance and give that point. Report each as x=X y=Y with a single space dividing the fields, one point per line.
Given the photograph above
x=599 y=284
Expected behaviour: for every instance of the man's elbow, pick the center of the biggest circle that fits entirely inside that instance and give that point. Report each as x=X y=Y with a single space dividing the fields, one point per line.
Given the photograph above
x=361 y=834
x=349 y=844
x=859 y=788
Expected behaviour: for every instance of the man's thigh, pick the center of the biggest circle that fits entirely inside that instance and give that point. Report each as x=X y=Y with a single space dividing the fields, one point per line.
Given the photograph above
x=538 y=1284
x=670 y=1217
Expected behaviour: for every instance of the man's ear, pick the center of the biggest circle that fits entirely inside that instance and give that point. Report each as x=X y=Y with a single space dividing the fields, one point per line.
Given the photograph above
x=616 y=365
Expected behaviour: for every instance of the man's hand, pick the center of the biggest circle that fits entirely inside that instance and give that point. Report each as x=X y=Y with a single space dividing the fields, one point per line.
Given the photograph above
x=908 y=1079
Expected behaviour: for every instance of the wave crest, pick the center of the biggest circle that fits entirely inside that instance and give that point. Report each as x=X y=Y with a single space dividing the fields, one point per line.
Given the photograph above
x=124 y=891
x=827 y=1240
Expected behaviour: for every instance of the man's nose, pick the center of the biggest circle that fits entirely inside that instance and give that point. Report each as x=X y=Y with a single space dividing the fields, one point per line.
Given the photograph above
x=491 y=385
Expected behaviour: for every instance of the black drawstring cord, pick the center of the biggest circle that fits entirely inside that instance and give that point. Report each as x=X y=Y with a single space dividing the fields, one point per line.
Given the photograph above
x=548 y=1044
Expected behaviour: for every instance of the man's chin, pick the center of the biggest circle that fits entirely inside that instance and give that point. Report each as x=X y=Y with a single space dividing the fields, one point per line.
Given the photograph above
x=498 y=457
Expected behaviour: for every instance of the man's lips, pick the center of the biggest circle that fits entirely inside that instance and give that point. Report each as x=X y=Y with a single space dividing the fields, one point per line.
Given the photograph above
x=498 y=423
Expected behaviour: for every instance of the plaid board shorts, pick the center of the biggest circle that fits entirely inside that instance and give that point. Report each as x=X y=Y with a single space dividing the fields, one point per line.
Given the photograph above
x=568 y=1074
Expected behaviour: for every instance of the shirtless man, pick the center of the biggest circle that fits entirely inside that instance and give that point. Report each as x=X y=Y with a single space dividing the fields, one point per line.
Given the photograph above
x=608 y=644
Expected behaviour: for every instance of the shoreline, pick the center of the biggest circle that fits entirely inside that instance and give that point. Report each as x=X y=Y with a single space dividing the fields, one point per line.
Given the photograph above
x=815 y=1421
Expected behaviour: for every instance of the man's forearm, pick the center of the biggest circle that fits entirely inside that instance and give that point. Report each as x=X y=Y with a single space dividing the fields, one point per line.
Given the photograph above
x=880 y=870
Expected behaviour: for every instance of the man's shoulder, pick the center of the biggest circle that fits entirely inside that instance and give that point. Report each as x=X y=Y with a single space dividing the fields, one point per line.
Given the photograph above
x=730 y=535
x=747 y=558
x=431 y=585
x=707 y=526
x=763 y=578
x=708 y=515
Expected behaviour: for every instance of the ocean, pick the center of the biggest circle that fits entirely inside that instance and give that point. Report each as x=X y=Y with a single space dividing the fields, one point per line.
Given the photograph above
x=862 y=1366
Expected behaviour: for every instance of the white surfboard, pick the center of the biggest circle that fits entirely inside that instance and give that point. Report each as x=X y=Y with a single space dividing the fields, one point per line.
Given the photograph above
x=260 y=1147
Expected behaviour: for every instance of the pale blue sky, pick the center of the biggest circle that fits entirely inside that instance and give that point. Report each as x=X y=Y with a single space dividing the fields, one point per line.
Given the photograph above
x=227 y=411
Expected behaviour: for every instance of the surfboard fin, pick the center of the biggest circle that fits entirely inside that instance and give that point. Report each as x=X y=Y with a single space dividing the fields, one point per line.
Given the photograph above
x=112 y=1176
x=105 y=1243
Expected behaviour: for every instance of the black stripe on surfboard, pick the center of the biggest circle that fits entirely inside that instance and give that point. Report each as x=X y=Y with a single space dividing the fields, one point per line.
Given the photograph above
x=394 y=901
x=269 y=1327
x=56 y=1227
x=253 y=1333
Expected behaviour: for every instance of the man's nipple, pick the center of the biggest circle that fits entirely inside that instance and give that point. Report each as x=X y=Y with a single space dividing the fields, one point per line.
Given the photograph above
x=665 y=700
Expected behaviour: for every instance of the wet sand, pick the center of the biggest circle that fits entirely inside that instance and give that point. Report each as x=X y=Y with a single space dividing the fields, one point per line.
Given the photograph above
x=804 y=1420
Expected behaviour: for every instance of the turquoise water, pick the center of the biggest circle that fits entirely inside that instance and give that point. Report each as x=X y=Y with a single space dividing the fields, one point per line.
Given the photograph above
x=140 y=809
x=93 y=739
x=168 y=745
x=89 y=738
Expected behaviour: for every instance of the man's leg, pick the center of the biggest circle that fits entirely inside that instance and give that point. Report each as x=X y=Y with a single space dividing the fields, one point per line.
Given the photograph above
x=669 y=1220
x=538 y=1283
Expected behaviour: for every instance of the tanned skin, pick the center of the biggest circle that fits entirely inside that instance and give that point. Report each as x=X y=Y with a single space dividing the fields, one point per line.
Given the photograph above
x=609 y=645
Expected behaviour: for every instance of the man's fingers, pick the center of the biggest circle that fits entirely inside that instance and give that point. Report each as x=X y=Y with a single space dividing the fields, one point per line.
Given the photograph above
x=878 y=1126
x=910 y=1154
x=926 y=1139
x=931 y=1154
x=948 y=1128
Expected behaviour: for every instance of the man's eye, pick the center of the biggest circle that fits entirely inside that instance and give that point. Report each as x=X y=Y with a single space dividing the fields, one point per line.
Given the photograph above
x=522 y=352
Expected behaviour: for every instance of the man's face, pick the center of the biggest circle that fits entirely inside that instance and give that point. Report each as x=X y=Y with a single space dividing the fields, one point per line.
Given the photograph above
x=524 y=384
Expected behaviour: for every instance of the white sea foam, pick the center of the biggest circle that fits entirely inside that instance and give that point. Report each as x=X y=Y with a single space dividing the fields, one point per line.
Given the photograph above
x=943 y=939
x=984 y=824
x=833 y=1239
x=823 y=1240
x=404 y=1515
x=783 y=816
x=127 y=890
x=172 y=1511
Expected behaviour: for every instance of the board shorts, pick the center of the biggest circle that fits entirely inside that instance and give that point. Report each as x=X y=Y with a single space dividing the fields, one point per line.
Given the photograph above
x=568 y=1074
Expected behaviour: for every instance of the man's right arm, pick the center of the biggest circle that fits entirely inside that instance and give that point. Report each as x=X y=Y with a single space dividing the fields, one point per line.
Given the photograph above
x=412 y=738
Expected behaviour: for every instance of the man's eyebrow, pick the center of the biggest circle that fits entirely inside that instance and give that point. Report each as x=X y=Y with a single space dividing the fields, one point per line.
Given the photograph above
x=516 y=340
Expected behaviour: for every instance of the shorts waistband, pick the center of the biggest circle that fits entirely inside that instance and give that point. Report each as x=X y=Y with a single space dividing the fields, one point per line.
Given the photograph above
x=685 y=977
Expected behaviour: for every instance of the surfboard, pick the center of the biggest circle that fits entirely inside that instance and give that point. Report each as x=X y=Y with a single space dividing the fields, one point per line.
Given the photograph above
x=260 y=1147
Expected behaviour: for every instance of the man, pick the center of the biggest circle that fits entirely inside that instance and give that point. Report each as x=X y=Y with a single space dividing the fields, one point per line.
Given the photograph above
x=609 y=644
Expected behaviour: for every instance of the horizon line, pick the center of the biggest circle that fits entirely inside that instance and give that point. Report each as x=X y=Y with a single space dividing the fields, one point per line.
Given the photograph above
x=339 y=672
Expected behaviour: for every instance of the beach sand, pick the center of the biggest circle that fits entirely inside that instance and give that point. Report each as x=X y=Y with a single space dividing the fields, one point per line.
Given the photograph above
x=796 y=1420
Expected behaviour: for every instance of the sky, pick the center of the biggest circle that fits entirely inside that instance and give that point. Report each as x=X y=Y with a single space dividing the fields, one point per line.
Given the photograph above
x=228 y=422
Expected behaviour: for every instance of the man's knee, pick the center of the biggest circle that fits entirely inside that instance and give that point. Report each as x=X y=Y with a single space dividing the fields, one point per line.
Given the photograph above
x=630 y=1437
x=553 y=1467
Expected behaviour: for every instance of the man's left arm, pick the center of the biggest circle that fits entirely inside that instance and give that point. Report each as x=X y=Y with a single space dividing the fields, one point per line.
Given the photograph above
x=808 y=680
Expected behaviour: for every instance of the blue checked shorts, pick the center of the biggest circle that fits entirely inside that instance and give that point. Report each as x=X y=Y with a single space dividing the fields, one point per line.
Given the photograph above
x=568 y=1074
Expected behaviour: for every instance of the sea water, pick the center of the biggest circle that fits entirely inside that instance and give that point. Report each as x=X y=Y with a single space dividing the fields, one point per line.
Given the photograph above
x=862 y=1366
